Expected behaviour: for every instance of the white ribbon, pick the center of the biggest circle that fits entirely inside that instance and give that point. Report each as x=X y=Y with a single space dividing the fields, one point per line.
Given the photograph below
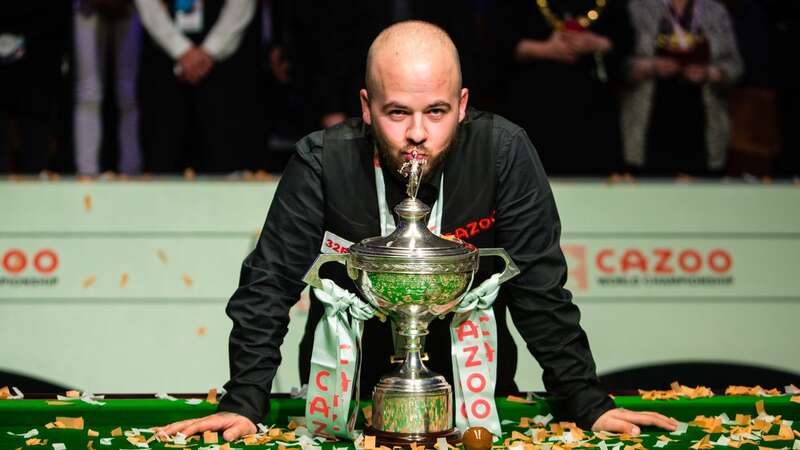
x=473 y=334
x=332 y=400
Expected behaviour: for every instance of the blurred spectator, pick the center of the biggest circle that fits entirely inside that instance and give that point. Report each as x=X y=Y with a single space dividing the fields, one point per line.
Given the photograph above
x=199 y=84
x=100 y=24
x=562 y=58
x=675 y=117
x=33 y=42
x=327 y=45
x=755 y=140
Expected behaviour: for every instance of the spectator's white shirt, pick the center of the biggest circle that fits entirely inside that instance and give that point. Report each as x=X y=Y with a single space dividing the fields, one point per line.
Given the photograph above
x=220 y=42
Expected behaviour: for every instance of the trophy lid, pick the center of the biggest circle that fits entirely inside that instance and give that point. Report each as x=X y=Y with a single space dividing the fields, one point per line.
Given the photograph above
x=412 y=247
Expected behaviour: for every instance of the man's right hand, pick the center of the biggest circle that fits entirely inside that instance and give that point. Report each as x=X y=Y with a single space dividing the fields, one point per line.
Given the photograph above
x=232 y=425
x=665 y=67
x=195 y=64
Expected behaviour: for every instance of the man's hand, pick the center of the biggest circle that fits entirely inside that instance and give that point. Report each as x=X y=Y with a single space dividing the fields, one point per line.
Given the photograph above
x=583 y=42
x=556 y=48
x=195 y=64
x=232 y=425
x=665 y=67
x=620 y=420
x=701 y=73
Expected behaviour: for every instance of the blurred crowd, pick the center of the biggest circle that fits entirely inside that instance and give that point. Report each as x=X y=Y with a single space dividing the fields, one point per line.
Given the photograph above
x=702 y=88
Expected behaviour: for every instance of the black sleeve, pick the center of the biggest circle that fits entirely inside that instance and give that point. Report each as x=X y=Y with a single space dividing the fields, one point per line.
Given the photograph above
x=528 y=227
x=270 y=283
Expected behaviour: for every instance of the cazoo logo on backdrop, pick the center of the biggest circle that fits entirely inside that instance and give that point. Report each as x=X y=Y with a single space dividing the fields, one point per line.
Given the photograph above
x=647 y=266
x=19 y=267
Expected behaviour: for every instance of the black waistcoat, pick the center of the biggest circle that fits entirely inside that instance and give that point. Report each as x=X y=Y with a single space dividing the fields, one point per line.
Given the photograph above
x=351 y=212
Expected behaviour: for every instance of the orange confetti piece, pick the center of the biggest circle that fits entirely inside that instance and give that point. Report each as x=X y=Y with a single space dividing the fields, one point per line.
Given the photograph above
x=210 y=437
x=516 y=399
x=516 y=435
x=704 y=443
x=292 y=425
x=116 y=432
x=73 y=394
x=4 y=393
x=367 y=415
x=162 y=256
x=212 y=396
x=92 y=433
x=760 y=408
x=123 y=280
x=33 y=441
x=369 y=442
x=89 y=281
x=795 y=399
x=751 y=391
x=202 y=331
x=523 y=422
x=59 y=402
x=225 y=446
x=274 y=432
x=90 y=445
x=87 y=203
x=72 y=423
x=187 y=280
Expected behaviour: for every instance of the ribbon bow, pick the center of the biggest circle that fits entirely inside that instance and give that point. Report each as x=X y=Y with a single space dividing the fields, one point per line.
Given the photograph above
x=473 y=336
x=335 y=365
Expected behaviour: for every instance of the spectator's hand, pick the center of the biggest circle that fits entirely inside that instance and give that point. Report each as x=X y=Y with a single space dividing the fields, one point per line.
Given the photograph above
x=556 y=48
x=701 y=73
x=232 y=425
x=278 y=65
x=583 y=42
x=195 y=64
x=665 y=67
x=329 y=120
x=620 y=420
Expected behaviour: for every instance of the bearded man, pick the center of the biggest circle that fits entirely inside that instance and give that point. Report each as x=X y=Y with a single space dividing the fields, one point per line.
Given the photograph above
x=492 y=192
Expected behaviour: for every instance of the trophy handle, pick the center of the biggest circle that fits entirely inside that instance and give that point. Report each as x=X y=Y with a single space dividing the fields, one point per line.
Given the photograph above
x=511 y=269
x=311 y=277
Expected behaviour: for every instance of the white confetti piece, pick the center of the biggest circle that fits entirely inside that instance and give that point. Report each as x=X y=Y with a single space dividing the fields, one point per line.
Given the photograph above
x=59 y=446
x=791 y=389
x=661 y=444
x=788 y=423
x=180 y=439
x=165 y=396
x=681 y=429
x=544 y=420
x=106 y=441
x=721 y=442
x=602 y=445
x=194 y=401
x=27 y=435
x=18 y=395
x=796 y=445
x=725 y=419
x=508 y=422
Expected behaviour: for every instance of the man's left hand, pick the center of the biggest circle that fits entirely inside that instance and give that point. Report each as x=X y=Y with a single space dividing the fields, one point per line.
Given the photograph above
x=583 y=42
x=620 y=420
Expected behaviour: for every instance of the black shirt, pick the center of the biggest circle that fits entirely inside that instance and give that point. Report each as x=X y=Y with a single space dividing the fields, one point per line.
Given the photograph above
x=526 y=225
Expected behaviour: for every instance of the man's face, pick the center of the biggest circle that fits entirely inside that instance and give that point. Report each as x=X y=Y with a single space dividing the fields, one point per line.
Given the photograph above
x=417 y=106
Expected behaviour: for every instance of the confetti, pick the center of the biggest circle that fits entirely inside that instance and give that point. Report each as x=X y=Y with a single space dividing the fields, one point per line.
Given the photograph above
x=4 y=393
x=59 y=402
x=187 y=280
x=751 y=391
x=116 y=432
x=92 y=433
x=73 y=394
x=73 y=423
x=123 y=280
x=795 y=399
x=202 y=330
x=162 y=256
x=212 y=396
x=210 y=437
x=515 y=399
x=367 y=415
x=704 y=443
x=89 y=281
x=87 y=203
x=369 y=442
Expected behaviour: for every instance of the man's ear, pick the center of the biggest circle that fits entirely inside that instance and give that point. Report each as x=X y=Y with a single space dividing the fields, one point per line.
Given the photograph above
x=462 y=104
x=365 y=115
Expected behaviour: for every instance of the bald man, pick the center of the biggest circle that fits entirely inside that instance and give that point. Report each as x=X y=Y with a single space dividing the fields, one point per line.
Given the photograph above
x=494 y=194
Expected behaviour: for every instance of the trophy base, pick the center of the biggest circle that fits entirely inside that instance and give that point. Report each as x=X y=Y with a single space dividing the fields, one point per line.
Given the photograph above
x=390 y=439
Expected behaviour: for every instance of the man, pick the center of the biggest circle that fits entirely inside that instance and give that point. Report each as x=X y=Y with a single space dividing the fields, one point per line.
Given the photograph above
x=414 y=99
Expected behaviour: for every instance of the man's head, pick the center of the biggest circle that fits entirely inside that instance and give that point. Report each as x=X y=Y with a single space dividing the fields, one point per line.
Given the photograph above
x=413 y=97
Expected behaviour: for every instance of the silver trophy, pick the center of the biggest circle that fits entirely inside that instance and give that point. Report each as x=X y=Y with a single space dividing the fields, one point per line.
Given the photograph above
x=412 y=276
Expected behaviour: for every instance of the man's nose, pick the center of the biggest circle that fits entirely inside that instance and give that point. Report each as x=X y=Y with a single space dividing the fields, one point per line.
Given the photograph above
x=416 y=132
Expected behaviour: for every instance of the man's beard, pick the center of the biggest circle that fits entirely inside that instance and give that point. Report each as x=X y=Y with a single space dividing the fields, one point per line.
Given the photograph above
x=395 y=160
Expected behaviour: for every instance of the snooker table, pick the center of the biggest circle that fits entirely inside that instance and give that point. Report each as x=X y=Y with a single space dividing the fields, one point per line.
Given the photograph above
x=20 y=416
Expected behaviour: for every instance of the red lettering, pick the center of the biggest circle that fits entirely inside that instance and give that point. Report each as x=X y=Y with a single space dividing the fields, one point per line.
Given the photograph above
x=471 y=382
x=318 y=380
x=471 y=361
x=717 y=254
x=599 y=260
x=45 y=261
x=463 y=410
x=662 y=263
x=633 y=259
x=14 y=261
x=321 y=426
x=318 y=404
x=345 y=382
x=461 y=233
x=485 y=223
x=489 y=351
x=684 y=264
x=467 y=328
x=486 y=409
x=473 y=228
x=341 y=358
